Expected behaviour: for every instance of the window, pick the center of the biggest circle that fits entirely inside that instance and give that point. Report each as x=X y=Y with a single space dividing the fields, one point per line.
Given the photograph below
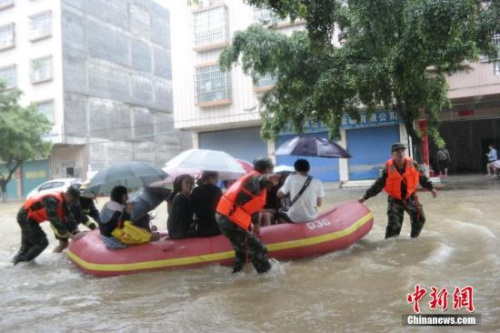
x=496 y=68
x=212 y=84
x=267 y=17
x=211 y=26
x=46 y=108
x=495 y=40
x=41 y=69
x=266 y=81
x=7 y=36
x=40 y=26
x=8 y=76
x=6 y=3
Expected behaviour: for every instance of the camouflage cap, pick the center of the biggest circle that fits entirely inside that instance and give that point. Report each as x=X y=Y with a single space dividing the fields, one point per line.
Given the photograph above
x=398 y=146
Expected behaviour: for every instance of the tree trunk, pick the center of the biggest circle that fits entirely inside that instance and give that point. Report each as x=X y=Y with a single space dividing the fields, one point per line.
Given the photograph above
x=3 y=186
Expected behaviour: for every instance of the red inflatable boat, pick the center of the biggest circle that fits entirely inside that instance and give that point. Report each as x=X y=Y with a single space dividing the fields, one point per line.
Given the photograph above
x=334 y=230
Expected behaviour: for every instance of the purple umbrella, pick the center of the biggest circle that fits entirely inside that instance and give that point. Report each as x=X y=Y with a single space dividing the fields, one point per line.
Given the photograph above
x=312 y=146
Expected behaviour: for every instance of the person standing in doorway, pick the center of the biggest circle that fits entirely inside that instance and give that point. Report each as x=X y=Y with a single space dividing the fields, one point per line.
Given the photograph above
x=444 y=159
x=400 y=179
x=492 y=157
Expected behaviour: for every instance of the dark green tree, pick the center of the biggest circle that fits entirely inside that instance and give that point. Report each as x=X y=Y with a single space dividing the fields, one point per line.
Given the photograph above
x=395 y=55
x=21 y=134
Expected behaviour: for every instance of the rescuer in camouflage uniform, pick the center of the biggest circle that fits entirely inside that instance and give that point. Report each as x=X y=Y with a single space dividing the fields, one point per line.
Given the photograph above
x=54 y=207
x=80 y=212
x=244 y=198
x=402 y=196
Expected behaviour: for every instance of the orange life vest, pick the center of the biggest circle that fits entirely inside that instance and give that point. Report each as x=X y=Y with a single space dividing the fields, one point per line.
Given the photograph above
x=394 y=179
x=36 y=210
x=241 y=215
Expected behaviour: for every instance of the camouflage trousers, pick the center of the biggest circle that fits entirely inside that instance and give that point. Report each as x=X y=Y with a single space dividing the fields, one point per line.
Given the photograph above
x=33 y=239
x=395 y=213
x=243 y=242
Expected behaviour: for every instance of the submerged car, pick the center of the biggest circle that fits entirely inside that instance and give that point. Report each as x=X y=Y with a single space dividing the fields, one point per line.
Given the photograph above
x=54 y=185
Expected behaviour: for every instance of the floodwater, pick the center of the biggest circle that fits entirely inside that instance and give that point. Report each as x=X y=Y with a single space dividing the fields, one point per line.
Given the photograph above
x=361 y=289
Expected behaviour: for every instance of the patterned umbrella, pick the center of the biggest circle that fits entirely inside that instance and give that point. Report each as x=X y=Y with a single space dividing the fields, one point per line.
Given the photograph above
x=128 y=174
x=312 y=146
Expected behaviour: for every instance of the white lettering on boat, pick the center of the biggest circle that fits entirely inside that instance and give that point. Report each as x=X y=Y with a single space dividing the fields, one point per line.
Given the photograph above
x=318 y=224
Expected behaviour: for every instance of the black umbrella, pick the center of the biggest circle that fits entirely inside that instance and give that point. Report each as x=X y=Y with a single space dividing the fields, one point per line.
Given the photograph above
x=128 y=174
x=312 y=146
x=147 y=200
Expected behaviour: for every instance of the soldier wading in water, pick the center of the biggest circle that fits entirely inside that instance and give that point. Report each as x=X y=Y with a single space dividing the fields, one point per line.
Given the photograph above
x=400 y=178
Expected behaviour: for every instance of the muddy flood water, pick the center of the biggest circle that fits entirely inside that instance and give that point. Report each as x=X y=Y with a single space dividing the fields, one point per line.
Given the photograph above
x=361 y=289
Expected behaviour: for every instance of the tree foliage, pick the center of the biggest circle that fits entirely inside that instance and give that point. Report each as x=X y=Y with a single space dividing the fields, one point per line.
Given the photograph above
x=396 y=55
x=21 y=132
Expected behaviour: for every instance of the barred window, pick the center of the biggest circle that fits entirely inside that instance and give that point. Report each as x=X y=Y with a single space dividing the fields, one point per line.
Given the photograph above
x=41 y=69
x=7 y=36
x=266 y=81
x=46 y=108
x=6 y=3
x=495 y=40
x=211 y=26
x=8 y=76
x=266 y=16
x=212 y=84
x=496 y=68
x=40 y=25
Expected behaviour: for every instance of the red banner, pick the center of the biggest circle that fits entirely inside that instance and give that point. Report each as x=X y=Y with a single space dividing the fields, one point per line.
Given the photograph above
x=422 y=126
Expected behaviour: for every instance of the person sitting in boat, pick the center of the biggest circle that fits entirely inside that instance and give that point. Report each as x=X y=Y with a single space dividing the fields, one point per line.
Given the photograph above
x=234 y=215
x=226 y=184
x=180 y=219
x=306 y=194
x=112 y=215
x=204 y=200
x=274 y=203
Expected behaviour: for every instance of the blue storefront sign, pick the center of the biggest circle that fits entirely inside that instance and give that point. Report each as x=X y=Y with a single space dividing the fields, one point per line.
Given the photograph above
x=376 y=119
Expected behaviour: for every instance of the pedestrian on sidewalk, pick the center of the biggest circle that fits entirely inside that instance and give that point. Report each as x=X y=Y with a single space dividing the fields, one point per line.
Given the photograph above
x=400 y=178
x=492 y=157
x=444 y=159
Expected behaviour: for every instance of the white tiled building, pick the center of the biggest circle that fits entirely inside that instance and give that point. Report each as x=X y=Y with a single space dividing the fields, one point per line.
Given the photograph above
x=222 y=108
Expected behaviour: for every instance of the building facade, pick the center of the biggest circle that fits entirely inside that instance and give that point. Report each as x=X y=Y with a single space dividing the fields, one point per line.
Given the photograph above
x=473 y=122
x=222 y=109
x=100 y=70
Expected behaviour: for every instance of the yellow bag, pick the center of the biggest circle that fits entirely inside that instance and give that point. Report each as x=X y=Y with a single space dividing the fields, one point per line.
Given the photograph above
x=130 y=234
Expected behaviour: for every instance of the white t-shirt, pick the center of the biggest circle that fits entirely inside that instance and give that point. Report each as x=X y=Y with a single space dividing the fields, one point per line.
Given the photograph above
x=304 y=209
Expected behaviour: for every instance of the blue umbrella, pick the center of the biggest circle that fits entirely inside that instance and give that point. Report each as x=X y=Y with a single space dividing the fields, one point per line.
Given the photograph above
x=312 y=146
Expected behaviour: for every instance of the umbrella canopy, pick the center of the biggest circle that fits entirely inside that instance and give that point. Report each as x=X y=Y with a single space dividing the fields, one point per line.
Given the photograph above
x=128 y=174
x=174 y=172
x=246 y=165
x=208 y=160
x=312 y=146
x=283 y=169
x=147 y=200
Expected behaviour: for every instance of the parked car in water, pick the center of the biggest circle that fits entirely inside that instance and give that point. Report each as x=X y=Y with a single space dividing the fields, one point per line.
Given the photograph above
x=53 y=185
